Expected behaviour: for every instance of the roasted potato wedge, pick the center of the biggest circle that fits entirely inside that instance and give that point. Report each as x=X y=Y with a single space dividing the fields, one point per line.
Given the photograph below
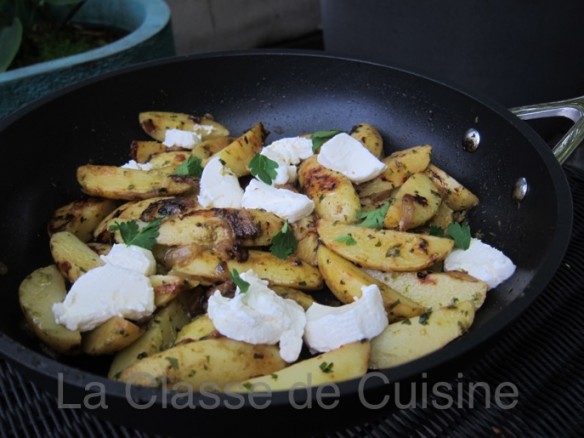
x=443 y=217
x=416 y=201
x=413 y=338
x=206 y=149
x=113 y=335
x=350 y=361
x=142 y=150
x=155 y=124
x=456 y=196
x=37 y=294
x=239 y=153
x=199 y=328
x=333 y=194
x=386 y=250
x=72 y=256
x=302 y=298
x=167 y=288
x=435 y=289
x=159 y=335
x=345 y=280
x=370 y=137
x=307 y=239
x=130 y=184
x=210 y=361
x=81 y=217
x=169 y=159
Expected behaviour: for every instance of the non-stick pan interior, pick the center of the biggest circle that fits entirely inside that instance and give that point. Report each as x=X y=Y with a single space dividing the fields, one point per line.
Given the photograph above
x=291 y=93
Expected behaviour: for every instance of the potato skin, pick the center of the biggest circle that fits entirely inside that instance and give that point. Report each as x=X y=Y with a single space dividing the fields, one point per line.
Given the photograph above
x=370 y=137
x=333 y=194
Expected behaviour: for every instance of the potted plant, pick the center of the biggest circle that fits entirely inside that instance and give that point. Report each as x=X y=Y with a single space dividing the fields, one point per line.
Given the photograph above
x=148 y=35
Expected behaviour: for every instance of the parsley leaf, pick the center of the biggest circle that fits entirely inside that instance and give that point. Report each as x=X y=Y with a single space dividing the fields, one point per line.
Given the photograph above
x=460 y=234
x=373 y=218
x=263 y=168
x=133 y=235
x=190 y=167
x=326 y=367
x=173 y=362
x=347 y=239
x=435 y=230
x=319 y=137
x=239 y=282
x=284 y=243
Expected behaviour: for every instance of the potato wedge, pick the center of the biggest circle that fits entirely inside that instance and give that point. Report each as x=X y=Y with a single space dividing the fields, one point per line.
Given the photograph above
x=385 y=250
x=443 y=217
x=239 y=153
x=167 y=288
x=130 y=184
x=141 y=151
x=302 y=298
x=155 y=124
x=113 y=335
x=400 y=166
x=207 y=364
x=169 y=159
x=435 y=289
x=347 y=362
x=199 y=328
x=81 y=217
x=456 y=196
x=345 y=280
x=159 y=335
x=416 y=201
x=307 y=239
x=370 y=137
x=72 y=256
x=333 y=194
x=413 y=338
x=37 y=294
x=206 y=149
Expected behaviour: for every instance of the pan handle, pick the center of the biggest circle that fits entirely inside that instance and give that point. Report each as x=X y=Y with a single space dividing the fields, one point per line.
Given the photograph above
x=572 y=109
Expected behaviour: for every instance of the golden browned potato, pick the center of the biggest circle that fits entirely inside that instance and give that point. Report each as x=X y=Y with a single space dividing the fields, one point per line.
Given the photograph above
x=72 y=256
x=199 y=328
x=370 y=137
x=111 y=336
x=403 y=342
x=155 y=124
x=307 y=239
x=169 y=159
x=239 y=153
x=350 y=361
x=210 y=361
x=302 y=298
x=456 y=196
x=443 y=217
x=415 y=202
x=37 y=294
x=130 y=184
x=386 y=250
x=208 y=148
x=81 y=217
x=345 y=280
x=167 y=288
x=142 y=150
x=333 y=194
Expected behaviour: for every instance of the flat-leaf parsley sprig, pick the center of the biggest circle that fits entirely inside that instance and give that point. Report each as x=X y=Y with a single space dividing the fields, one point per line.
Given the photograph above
x=133 y=234
x=319 y=137
x=284 y=243
x=191 y=167
x=263 y=168
x=457 y=232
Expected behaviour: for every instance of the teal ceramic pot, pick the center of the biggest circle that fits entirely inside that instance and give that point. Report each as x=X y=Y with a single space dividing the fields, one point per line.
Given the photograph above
x=150 y=37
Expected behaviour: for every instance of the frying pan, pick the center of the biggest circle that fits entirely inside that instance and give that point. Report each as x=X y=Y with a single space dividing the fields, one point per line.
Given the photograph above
x=291 y=92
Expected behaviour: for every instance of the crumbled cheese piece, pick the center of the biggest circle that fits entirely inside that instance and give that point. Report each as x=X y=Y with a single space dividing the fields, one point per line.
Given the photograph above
x=219 y=187
x=137 y=166
x=132 y=257
x=288 y=152
x=348 y=156
x=282 y=202
x=181 y=138
x=259 y=316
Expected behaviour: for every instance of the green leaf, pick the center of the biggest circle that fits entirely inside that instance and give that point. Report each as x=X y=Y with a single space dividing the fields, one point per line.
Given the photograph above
x=326 y=367
x=190 y=167
x=347 y=239
x=435 y=230
x=263 y=168
x=239 y=282
x=173 y=362
x=133 y=235
x=284 y=243
x=460 y=234
x=319 y=137
x=374 y=218
x=10 y=40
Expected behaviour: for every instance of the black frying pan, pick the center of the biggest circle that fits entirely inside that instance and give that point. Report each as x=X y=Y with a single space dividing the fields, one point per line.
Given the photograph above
x=290 y=92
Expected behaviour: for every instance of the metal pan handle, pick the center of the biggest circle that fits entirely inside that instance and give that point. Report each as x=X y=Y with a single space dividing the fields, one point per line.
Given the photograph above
x=572 y=109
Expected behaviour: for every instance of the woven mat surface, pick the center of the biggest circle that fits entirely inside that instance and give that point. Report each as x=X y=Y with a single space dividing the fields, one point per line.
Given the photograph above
x=542 y=354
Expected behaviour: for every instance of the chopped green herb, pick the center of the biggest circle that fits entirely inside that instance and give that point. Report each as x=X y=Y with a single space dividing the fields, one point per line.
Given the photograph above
x=326 y=367
x=248 y=386
x=406 y=322
x=374 y=218
x=173 y=362
x=435 y=230
x=460 y=234
x=274 y=376
x=263 y=168
x=133 y=235
x=347 y=239
x=190 y=167
x=239 y=282
x=424 y=317
x=284 y=243
x=319 y=137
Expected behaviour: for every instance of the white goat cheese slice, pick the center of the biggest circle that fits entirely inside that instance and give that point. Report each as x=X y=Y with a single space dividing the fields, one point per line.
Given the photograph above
x=284 y=203
x=219 y=187
x=132 y=257
x=482 y=261
x=181 y=138
x=259 y=316
x=327 y=328
x=348 y=156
